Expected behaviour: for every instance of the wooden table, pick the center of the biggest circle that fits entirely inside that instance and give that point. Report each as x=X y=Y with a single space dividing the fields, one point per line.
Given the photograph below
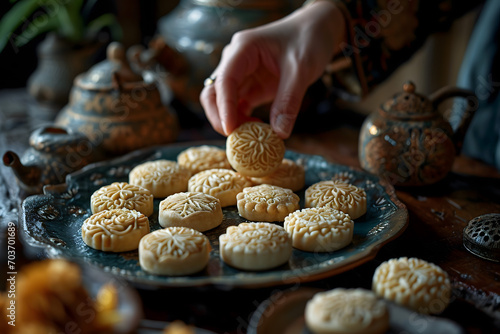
x=437 y=218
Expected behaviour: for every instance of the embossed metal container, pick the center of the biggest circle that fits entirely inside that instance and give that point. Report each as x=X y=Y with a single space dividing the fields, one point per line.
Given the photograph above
x=409 y=142
x=118 y=109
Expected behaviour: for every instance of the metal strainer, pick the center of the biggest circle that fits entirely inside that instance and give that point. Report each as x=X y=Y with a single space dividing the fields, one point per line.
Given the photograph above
x=482 y=236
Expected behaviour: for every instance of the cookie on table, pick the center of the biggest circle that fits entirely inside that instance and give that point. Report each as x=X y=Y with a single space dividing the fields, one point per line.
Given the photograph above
x=347 y=311
x=122 y=195
x=319 y=229
x=117 y=230
x=255 y=246
x=196 y=210
x=288 y=175
x=161 y=177
x=223 y=184
x=338 y=195
x=414 y=283
x=200 y=158
x=267 y=203
x=174 y=251
x=254 y=149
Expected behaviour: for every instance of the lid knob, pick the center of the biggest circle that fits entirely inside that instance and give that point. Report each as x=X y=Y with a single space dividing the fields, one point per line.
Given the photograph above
x=409 y=87
x=116 y=52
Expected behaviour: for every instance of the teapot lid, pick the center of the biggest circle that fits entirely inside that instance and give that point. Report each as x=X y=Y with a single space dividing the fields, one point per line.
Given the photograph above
x=408 y=104
x=113 y=71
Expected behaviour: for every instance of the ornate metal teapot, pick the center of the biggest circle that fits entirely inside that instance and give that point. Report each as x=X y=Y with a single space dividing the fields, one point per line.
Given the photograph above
x=409 y=142
x=117 y=108
x=54 y=152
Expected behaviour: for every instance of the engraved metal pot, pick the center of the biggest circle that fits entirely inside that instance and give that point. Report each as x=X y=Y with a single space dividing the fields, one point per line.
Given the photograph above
x=118 y=109
x=409 y=142
x=54 y=152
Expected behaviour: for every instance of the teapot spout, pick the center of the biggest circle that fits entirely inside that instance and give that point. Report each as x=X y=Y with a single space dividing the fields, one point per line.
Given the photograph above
x=460 y=118
x=28 y=176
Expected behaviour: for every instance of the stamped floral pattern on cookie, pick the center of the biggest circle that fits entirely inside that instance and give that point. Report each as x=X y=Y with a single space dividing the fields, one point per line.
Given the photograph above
x=253 y=149
x=116 y=230
x=267 y=203
x=122 y=195
x=337 y=195
x=174 y=251
x=319 y=229
x=288 y=175
x=161 y=177
x=347 y=311
x=414 y=283
x=255 y=246
x=196 y=210
x=223 y=184
x=200 y=158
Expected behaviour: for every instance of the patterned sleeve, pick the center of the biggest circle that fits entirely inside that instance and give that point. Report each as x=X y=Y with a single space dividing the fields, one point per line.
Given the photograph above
x=383 y=34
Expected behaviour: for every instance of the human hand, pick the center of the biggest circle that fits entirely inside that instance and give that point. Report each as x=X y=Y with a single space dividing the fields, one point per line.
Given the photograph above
x=275 y=62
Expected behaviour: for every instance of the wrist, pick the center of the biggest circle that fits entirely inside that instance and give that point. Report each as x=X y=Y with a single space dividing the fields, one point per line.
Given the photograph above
x=334 y=20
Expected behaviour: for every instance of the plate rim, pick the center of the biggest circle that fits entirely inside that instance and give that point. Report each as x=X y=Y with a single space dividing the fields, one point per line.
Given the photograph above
x=253 y=281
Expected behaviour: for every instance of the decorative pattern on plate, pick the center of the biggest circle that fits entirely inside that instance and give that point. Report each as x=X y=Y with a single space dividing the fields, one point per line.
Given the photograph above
x=161 y=177
x=347 y=311
x=223 y=184
x=337 y=195
x=121 y=195
x=174 y=251
x=48 y=212
x=196 y=210
x=288 y=175
x=253 y=149
x=414 y=283
x=255 y=246
x=117 y=230
x=266 y=203
x=200 y=158
x=319 y=229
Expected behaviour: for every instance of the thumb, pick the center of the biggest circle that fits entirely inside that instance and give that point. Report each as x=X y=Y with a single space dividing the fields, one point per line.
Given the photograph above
x=287 y=102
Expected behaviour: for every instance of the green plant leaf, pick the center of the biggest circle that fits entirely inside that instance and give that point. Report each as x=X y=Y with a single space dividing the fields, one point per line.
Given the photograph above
x=106 y=20
x=16 y=16
x=25 y=36
x=70 y=23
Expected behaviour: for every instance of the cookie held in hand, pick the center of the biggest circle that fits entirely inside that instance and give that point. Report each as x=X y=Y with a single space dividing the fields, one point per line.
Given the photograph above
x=254 y=149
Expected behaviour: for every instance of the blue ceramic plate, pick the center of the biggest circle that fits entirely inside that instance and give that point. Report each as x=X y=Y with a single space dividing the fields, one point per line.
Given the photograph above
x=54 y=220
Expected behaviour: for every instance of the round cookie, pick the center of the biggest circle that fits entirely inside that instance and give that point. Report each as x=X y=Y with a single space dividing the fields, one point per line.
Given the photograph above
x=121 y=195
x=223 y=184
x=196 y=210
x=174 y=251
x=288 y=175
x=319 y=229
x=200 y=158
x=337 y=195
x=267 y=203
x=255 y=246
x=414 y=283
x=117 y=230
x=253 y=149
x=161 y=177
x=347 y=311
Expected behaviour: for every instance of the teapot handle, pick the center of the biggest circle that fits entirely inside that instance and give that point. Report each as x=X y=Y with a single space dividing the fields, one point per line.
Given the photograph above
x=459 y=119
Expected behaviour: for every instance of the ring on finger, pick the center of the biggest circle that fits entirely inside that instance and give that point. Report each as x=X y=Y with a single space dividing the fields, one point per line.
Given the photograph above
x=209 y=81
